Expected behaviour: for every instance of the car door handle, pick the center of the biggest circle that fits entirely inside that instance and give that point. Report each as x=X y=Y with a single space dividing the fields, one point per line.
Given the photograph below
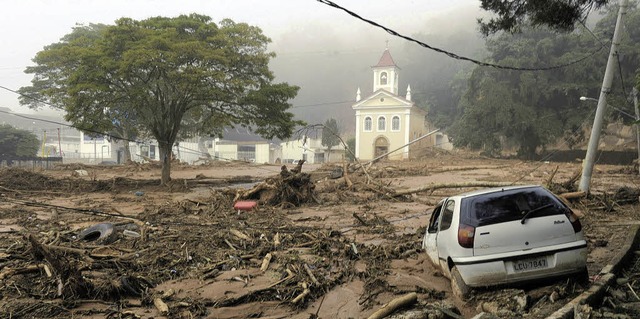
x=485 y=233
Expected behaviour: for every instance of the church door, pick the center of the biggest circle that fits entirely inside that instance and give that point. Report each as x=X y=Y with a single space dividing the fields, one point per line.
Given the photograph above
x=381 y=146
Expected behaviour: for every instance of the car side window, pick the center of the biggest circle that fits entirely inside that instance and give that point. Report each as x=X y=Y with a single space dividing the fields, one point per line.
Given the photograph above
x=447 y=215
x=434 y=220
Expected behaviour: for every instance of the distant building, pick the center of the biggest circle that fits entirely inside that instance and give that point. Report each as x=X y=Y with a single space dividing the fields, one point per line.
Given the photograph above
x=310 y=149
x=386 y=121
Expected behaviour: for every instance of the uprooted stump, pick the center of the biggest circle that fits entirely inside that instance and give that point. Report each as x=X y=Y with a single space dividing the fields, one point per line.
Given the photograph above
x=291 y=187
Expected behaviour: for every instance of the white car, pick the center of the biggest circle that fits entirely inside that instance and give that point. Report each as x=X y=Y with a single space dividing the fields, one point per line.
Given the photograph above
x=504 y=235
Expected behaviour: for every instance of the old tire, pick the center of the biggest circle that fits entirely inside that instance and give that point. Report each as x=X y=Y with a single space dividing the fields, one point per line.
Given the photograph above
x=102 y=233
x=459 y=287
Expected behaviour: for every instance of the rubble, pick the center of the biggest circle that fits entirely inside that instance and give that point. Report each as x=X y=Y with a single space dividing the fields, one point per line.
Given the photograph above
x=257 y=257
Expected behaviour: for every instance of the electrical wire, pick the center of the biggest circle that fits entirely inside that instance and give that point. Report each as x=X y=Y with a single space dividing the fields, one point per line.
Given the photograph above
x=453 y=55
x=116 y=137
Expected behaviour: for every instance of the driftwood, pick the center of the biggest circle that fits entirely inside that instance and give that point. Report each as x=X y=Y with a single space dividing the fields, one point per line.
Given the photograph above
x=265 y=262
x=304 y=293
x=432 y=187
x=240 y=234
x=313 y=278
x=356 y=216
x=161 y=306
x=290 y=187
x=276 y=240
x=70 y=277
x=573 y=195
x=8 y=272
x=394 y=305
x=345 y=176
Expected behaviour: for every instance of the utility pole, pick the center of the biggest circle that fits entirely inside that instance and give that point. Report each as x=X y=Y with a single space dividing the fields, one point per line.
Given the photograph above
x=594 y=139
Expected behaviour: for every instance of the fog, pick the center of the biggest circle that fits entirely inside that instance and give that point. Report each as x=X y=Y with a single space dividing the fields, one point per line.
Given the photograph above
x=330 y=63
x=324 y=51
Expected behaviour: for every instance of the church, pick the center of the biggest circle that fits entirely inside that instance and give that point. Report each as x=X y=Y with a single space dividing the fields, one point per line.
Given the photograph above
x=387 y=122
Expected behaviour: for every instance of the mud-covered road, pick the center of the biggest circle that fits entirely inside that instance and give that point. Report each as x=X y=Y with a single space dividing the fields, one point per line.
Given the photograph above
x=344 y=255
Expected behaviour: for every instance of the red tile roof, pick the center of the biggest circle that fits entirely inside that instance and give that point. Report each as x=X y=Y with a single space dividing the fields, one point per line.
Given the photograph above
x=385 y=60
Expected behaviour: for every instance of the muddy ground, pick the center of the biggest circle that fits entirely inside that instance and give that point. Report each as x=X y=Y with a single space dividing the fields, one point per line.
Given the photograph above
x=341 y=251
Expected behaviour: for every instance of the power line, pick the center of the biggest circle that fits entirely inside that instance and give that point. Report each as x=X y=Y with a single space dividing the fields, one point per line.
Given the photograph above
x=453 y=55
x=321 y=104
x=189 y=151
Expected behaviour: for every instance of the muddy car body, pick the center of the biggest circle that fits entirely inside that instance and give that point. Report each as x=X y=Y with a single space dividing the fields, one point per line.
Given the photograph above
x=504 y=235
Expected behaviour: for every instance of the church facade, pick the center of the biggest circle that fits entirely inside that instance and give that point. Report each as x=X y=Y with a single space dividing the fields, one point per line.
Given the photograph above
x=385 y=121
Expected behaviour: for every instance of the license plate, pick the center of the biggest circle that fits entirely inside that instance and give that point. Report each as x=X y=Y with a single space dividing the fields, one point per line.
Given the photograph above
x=530 y=264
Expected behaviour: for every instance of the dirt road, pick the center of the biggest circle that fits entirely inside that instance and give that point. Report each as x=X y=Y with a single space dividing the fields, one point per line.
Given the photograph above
x=344 y=256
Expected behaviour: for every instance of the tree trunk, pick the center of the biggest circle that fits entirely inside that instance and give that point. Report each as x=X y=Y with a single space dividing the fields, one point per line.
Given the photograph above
x=127 y=149
x=165 y=158
x=127 y=152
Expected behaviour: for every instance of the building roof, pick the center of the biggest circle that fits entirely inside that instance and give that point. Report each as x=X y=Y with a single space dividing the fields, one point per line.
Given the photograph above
x=386 y=60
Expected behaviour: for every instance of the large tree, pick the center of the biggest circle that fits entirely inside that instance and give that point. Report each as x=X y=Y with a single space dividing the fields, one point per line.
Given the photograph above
x=168 y=76
x=15 y=142
x=532 y=109
x=513 y=15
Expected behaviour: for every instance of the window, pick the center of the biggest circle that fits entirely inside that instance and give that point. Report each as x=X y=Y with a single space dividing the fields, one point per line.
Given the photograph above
x=382 y=123
x=447 y=215
x=506 y=206
x=395 y=123
x=383 y=78
x=435 y=218
x=367 y=124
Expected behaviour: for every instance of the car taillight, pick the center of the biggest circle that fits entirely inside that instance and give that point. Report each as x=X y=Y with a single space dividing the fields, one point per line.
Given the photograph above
x=465 y=235
x=575 y=221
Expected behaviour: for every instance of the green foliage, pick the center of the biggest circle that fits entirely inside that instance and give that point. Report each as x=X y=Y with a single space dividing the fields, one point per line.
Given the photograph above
x=351 y=149
x=165 y=77
x=530 y=110
x=16 y=142
x=514 y=16
x=437 y=81
x=330 y=133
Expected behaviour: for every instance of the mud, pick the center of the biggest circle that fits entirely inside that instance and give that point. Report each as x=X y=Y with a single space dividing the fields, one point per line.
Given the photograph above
x=354 y=250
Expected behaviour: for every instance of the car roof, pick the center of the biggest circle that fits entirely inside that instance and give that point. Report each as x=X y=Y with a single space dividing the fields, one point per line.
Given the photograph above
x=495 y=190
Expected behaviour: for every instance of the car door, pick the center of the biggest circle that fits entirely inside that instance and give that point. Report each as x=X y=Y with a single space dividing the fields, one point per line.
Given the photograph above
x=429 y=242
x=445 y=235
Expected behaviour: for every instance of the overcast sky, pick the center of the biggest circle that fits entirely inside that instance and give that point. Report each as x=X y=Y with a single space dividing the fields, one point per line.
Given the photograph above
x=29 y=25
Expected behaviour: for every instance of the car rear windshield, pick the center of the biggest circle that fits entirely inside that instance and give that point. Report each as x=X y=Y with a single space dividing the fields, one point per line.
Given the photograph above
x=511 y=205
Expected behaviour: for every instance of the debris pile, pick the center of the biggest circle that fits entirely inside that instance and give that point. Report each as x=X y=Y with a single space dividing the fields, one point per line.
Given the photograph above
x=119 y=266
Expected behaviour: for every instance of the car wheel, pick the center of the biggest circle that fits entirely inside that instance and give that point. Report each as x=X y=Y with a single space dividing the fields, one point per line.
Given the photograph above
x=459 y=287
x=582 y=278
x=100 y=233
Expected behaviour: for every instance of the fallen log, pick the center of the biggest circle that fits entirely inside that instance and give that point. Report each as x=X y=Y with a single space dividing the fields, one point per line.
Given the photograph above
x=573 y=195
x=432 y=187
x=394 y=305
x=8 y=272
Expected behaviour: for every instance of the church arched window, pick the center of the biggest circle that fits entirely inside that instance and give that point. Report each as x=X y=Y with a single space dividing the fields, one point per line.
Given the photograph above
x=367 y=124
x=383 y=78
x=382 y=123
x=395 y=123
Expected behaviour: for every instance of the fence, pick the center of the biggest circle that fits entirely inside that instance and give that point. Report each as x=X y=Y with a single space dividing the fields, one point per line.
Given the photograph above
x=30 y=162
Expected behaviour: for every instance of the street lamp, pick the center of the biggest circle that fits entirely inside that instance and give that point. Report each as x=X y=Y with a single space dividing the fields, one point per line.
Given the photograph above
x=584 y=98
